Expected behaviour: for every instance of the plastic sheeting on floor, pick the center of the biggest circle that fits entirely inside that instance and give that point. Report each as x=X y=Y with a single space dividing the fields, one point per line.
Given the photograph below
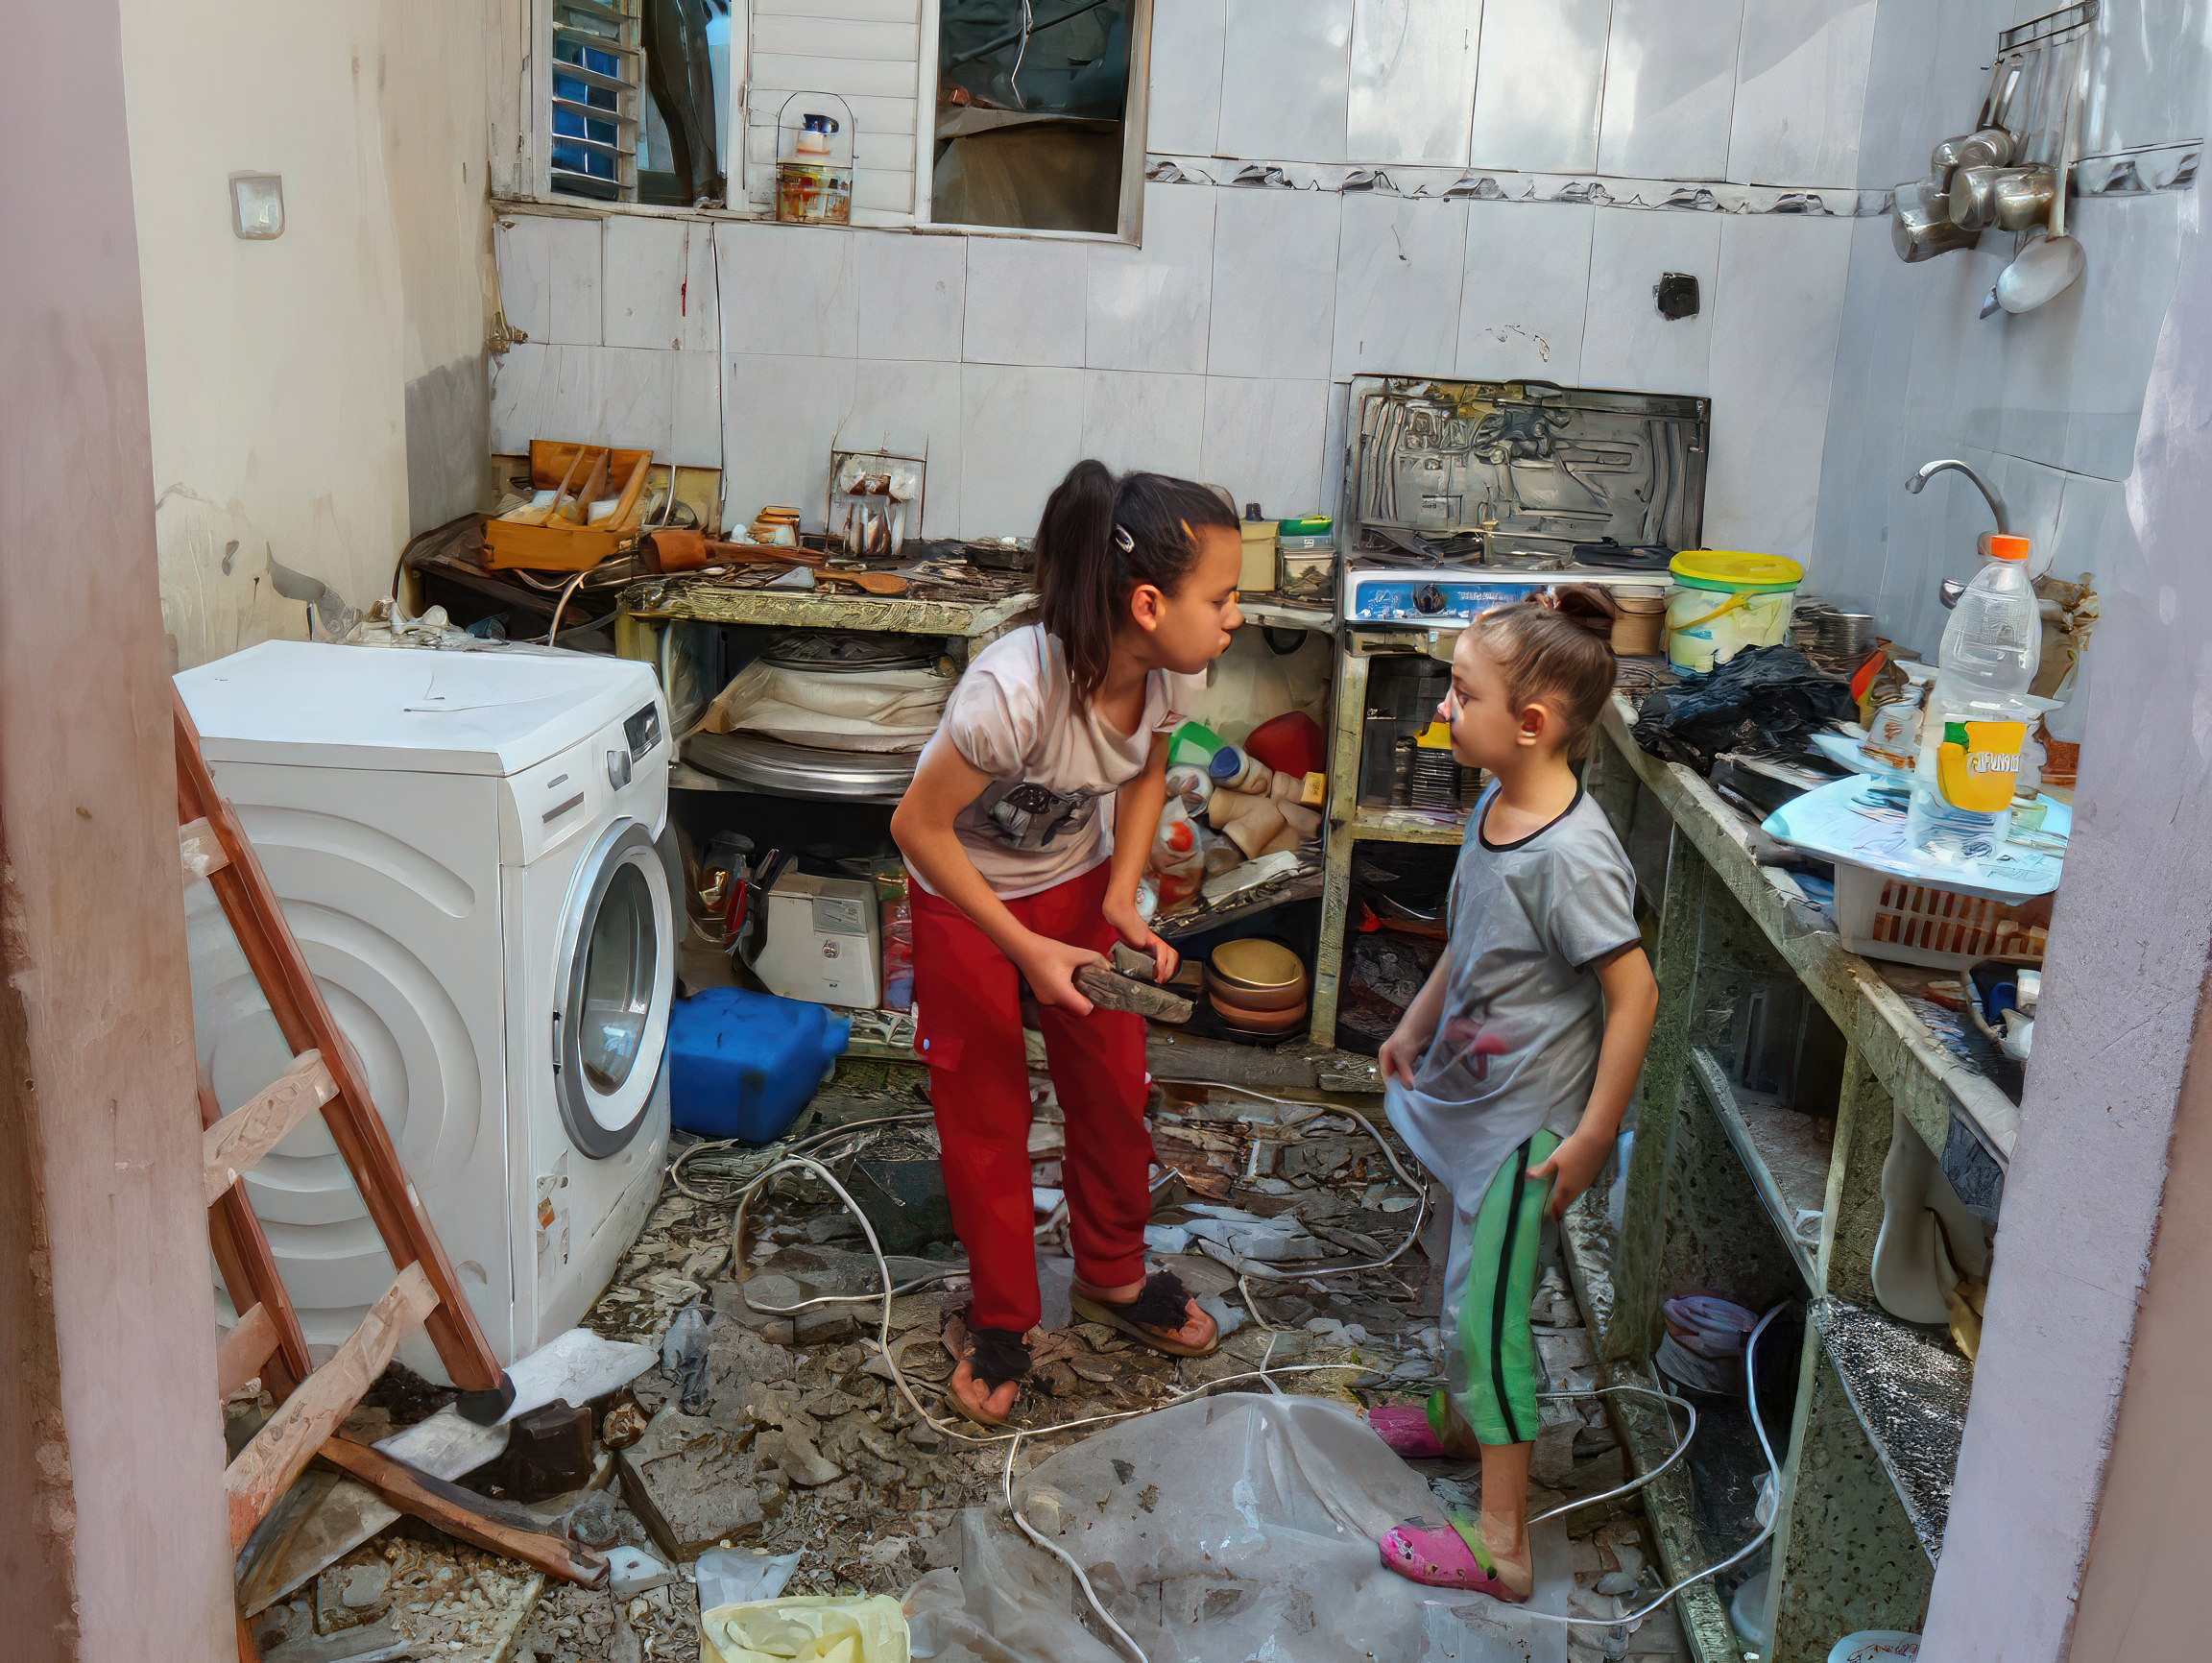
x=1238 y=1528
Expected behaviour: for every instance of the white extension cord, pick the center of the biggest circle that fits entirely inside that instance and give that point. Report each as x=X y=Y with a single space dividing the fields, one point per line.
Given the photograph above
x=793 y=1160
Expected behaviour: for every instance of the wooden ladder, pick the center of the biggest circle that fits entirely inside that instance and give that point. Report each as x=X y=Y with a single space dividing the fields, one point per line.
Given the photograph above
x=268 y=1341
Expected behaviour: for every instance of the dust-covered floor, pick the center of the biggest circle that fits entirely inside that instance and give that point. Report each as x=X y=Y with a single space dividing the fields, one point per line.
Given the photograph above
x=784 y=1433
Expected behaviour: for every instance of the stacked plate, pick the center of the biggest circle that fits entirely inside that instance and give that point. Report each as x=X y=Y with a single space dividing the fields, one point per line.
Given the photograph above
x=1259 y=986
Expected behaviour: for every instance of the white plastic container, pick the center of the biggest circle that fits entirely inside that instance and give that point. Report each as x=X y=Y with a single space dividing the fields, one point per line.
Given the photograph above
x=1725 y=600
x=1944 y=926
x=1876 y=1646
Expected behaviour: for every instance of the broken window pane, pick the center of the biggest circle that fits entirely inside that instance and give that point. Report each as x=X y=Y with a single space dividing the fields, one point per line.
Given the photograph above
x=1032 y=102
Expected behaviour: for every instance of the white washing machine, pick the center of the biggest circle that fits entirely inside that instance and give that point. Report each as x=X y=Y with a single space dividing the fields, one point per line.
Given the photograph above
x=465 y=845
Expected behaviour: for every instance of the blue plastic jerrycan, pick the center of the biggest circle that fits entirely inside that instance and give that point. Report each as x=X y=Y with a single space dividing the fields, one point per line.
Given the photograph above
x=743 y=1064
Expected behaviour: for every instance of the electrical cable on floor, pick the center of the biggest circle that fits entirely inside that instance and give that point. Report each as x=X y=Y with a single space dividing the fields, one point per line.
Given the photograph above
x=791 y=1160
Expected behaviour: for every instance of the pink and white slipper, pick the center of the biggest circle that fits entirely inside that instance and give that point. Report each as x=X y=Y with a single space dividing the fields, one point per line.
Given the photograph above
x=1405 y=1427
x=1448 y=1555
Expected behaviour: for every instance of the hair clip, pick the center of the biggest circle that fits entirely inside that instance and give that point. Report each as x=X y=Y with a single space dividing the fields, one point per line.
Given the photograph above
x=1121 y=535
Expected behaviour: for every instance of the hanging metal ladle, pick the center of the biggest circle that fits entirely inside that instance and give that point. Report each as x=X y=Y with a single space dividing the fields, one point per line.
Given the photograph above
x=2049 y=265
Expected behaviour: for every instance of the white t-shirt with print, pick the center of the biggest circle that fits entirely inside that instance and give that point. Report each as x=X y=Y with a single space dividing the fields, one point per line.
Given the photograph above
x=1048 y=813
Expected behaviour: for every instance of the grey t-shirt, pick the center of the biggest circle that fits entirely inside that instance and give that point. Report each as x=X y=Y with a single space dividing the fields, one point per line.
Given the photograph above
x=1516 y=1046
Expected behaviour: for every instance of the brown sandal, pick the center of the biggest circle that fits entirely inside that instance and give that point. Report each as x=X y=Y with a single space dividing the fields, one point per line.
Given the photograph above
x=1152 y=1317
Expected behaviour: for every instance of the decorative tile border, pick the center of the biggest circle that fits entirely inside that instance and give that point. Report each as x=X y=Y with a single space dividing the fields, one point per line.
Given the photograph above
x=1458 y=184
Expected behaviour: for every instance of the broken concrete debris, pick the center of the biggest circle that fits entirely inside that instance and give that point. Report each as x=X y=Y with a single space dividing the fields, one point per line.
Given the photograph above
x=798 y=1466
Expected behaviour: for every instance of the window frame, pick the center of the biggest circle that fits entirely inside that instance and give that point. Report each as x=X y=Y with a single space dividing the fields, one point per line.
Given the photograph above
x=536 y=90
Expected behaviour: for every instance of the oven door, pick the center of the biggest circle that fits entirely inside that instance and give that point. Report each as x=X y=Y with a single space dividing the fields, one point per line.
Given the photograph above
x=614 y=981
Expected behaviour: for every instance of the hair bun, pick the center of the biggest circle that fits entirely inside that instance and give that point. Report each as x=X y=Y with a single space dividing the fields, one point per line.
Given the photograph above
x=1586 y=604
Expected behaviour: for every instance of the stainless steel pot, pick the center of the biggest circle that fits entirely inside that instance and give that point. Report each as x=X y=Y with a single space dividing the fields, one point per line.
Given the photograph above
x=1920 y=225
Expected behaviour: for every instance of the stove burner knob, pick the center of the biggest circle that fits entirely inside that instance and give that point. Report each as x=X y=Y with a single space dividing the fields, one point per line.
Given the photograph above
x=1428 y=598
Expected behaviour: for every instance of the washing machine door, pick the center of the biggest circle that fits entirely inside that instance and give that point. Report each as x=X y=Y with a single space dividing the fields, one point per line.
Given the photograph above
x=615 y=981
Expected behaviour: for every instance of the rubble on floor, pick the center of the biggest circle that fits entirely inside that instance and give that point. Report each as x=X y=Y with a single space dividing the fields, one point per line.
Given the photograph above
x=782 y=1431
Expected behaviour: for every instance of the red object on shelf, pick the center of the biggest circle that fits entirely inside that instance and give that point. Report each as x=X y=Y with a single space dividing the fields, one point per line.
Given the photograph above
x=1290 y=743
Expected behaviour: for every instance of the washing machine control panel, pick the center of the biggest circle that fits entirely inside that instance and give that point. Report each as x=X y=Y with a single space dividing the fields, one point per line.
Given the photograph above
x=644 y=732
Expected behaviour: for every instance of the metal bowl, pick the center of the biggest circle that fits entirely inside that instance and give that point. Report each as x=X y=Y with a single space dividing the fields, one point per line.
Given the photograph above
x=777 y=769
x=1259 y=1021
x=1255 y=965
x=1290 y=998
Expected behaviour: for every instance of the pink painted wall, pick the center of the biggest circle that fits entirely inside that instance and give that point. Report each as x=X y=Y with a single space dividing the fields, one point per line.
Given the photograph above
x=94 y=925
x=2089 y=1192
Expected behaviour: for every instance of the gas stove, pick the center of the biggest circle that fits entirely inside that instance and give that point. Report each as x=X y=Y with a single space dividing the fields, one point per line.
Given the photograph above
x=1446 y=599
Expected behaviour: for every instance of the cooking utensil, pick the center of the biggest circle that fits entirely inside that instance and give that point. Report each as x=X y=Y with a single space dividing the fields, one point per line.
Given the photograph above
x=2021 y=198
x=2050 y=265
x=1257 y=1021
x=1255 y=965
x=1289 y=998
x=1920 y=225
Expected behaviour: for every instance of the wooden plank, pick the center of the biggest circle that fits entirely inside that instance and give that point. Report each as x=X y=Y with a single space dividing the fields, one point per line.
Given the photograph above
x=244 y=1350
x=200 y=851
x=281 y=1448
x=304 y=1017
x=1348 y=706
x=458 y=1512
x=249 y=1272
x=234 y=1146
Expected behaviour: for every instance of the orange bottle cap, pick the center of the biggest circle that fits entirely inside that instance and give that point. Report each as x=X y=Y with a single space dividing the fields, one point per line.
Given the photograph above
x=2002 y=547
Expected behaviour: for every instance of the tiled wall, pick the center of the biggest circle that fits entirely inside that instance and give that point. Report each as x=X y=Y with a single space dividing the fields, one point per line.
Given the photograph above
x=2045 y=404
x=1221 y=348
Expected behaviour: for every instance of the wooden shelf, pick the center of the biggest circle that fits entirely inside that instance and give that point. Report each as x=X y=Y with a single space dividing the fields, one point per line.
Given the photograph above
x=1409 y=825
x=1783 y=1151
x=1908 y=1388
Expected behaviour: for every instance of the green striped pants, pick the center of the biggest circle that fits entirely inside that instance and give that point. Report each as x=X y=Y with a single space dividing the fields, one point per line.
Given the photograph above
x=1489 y=1280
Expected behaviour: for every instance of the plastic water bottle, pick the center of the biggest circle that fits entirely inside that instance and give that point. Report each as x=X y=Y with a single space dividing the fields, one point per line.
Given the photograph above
x=1976 y=714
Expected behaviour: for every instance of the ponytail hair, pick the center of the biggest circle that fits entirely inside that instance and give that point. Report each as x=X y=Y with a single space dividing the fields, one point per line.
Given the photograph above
x=1101 y=538
x=1558 y=644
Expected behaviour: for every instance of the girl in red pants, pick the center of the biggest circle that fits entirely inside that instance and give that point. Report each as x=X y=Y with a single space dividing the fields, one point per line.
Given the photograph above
x=1027 y=827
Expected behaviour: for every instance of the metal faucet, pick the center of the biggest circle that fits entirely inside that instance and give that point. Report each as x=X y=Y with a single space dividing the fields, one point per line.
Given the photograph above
x=1951 y=588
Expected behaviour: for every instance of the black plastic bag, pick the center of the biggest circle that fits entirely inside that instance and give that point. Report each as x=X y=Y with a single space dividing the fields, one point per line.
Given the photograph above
x=1764 y=701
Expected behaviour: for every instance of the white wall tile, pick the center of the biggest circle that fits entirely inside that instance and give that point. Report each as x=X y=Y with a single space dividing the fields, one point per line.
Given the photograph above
x=1286 y=78
x=1026 y=302
x=1669 y=89
x=644 y=265
x=1263 y=442
x=1148 y=306
x=1625 y=343
x=695 y=438
x=913 y=292
x=1801 y=91
x=1412 y=80
x=1526 y=288
x=2074 y=369
x=1537 y=83
x=2155 y=75
x=1333 y=446
x=1134 y=421
x=1776 y=315
x=617 y=396
x=913 y=409
x=702 y=310
x=524 y=254
x=573 y=314
x=1021 y=430
x=789 y=290
x=520 y=394
x=1183 y=108
x=1274 y=307
x=778 y=421
x=1398 y=286
x=1908 y=81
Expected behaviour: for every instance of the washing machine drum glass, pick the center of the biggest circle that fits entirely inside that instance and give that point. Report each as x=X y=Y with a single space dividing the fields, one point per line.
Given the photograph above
x=620 y=978
x=619 y=960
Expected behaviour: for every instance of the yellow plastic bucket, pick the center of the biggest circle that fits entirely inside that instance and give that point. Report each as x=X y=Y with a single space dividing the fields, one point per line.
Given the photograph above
x=1725 y=600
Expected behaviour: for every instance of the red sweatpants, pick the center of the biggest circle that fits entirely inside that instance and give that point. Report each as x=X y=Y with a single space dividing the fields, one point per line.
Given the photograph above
x=967 y=995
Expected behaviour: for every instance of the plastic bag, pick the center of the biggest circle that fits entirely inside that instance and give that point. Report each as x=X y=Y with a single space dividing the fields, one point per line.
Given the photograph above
x=805 y=1628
